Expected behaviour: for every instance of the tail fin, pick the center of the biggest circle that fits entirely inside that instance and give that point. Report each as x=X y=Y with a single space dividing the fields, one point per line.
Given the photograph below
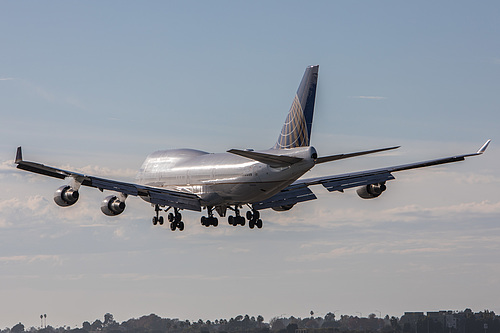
x=296 y=131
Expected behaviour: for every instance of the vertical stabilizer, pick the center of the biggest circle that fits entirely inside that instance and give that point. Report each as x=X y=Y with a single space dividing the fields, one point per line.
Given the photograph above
x=296 y=131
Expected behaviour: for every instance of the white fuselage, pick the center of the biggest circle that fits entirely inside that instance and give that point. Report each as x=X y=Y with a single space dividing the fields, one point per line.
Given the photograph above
x=222 y=179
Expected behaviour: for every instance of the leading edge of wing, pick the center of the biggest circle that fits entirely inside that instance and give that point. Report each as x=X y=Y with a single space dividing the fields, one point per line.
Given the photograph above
x=330 y=158
x=348 y=180
x=177 y=199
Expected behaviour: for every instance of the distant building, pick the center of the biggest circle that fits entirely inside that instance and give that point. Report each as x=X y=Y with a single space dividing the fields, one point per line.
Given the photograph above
x=440 y=317
x=411 y=319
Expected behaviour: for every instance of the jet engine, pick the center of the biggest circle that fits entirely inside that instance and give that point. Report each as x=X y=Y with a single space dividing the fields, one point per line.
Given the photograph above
x=112 y=206
x=283 y=208
x=371 y=191
x=66 y=196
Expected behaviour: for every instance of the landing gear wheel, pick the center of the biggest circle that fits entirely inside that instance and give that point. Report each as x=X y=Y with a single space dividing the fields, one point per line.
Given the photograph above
x=249 y=215
x=170 y=217
x=241 y=220
x=180 y=225
x=173 y=226
x=155 y=220
x=251 y=224
x=160 y=220
x=259 y=223
x=215 y=221
x=230 y=220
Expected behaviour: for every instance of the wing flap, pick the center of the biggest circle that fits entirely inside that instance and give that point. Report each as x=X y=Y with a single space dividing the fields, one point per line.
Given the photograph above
x=289 y=196
x=112 y=185
x=42 y=169
x=174 y=199
x=355 y=181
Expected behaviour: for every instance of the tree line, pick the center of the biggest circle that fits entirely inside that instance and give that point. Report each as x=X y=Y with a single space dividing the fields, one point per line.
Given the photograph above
x=438 y=322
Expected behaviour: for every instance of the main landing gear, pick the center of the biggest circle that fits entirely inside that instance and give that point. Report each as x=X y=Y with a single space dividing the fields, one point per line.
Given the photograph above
x=253 y=218
x=157 y=219
x=174 y=218
x=211 y=219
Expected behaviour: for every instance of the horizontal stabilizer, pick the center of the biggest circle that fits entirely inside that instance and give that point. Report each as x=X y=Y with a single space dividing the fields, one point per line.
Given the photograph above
x=342 y=156
x=275 y=161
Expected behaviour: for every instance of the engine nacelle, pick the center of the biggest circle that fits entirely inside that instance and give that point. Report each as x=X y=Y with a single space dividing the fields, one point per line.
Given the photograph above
x=283 y=208
x=371 y=191
x=112 y=206
x=66 y=196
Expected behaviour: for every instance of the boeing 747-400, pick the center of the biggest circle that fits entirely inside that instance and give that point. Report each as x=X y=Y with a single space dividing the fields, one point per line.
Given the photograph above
x=178 y=179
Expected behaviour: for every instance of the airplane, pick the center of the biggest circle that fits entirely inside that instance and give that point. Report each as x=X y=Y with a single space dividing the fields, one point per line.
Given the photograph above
x=188 y=179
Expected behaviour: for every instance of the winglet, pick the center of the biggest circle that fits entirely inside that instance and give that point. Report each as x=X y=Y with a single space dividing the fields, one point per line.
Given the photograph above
x=19 y=155
x=483 y=148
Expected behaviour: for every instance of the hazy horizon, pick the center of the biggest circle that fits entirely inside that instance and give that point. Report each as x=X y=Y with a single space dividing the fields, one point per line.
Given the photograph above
x=97 y=86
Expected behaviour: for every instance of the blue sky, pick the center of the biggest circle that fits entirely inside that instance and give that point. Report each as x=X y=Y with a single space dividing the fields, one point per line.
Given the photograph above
x=97 y=86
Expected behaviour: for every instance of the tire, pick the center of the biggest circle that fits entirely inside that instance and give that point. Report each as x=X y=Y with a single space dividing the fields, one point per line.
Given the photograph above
x=249 y=215
x=155 y=221
x=160 y=220
x=259 y=223
x=230 y=220
x=170 y=217
x=215 y=222
x=173 y=226
x=180 y=225
x=251 y=224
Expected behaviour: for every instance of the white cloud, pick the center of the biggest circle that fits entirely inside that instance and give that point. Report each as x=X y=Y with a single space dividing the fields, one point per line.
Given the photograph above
x=105 y=172
x=55 y=259
x=419 y=243
x=460 y=211
x=121 y=232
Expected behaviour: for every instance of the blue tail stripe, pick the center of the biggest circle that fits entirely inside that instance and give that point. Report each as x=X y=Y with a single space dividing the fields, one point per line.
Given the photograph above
x=296 y=131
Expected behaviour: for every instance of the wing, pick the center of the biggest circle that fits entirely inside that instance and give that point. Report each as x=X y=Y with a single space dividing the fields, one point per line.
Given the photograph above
x=299 y=191
x=154 y=195
x=342 y=156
